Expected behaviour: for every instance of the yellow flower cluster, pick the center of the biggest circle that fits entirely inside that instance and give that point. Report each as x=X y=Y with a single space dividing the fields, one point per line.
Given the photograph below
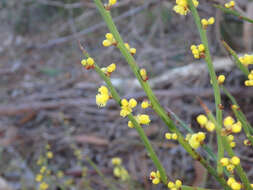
x=198 y=51
x=206 y=22
x=145 y=104
x=118 y=170
x=155 y=177
x=88 y=63
x=221 y=79
x=143 y=74
x=127 y=106
x=131 y=50
x=109 y=69
x=110 y=40
x=234 y=184
x=230 y=163
x=182 y=7
x=230 y=4
x=142 y=119
x=170 y=136
x=249 y=82
x=175 y=186
x=204 y=122
x=231 y=126
x=102 y=97
x=196 y=139
x=246 y=60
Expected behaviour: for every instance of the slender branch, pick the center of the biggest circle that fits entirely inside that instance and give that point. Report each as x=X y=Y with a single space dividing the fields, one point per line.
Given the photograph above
x=213 y=76
x=238 y=63
x=233 y=12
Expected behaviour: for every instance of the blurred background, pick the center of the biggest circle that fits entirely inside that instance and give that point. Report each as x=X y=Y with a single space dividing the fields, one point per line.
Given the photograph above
x=46 y=97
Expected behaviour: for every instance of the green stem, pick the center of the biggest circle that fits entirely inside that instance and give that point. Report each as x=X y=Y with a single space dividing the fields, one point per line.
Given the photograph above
x=233 y=12
x=138 y=127
x=230 y=152
x=213 y=76
x=146 y=87
x=185 y=187
x=238 y=63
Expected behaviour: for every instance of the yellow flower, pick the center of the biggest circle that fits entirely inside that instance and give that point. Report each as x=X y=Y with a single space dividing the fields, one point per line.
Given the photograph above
x=131 y=50
x=127 y=106
x=201 y=47
x=39 y=178
x=237 y=127
x=230 y=167
x=110 y=40
x=88 y=63
x=224 y=161
x=221 y=79
x=50 y=155
x=182 y=8
x=112 y=2
x=228 y=121
x=202 y=119
x=43 y=186
x=235 y=160
x=143 y=74
x=210 y=126
x=175 y=186
x=111 y=68
x=230 y=181
x=143 y=119
x=230 y=4
x=155 y=177
x=102 y=97
x=130 y=124
x=198 y=51
x=246 y=60
x=116 y=161
x=236 y=186
x=206 y=22
x=196 y=139
x=43 y=169
x=249 y=82
x=145 y=104
x=174 y=136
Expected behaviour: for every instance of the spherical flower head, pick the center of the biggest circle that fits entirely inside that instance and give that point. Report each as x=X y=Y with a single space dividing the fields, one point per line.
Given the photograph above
x=210 y=126
x=43 y=186
x=143 y=119
x=39 y=178
x=103 y=90
x=194 y=143
x=204 y=23
x=237 y=127
x=84 y=62
x=211 y=20
x=236 y=186
x=145 y=104
x=202 y=119
x=195 y=3
x=106 y=43
x=90 y=61
x=230 y=181
x=224 y=161
x=116 y=161
x=171 y=185
x=155 y=177
x=143 y=74
x=228 y=121
x=102 y=99
x=182 y=3
x=232 y=144
x=180 y=10
x=111 y=68
x=230 y=4
x=248 y=83
x=174 y=136
x=235 y=160
x=130 y=124
x=109 y=36
x=201 y=47
x=50 y=154
x=231 y=138
x=132 y=51
x=112 y=2
x=156 y=181
x=193 y=47
x=230 y=167
x=43 y=169
x=221 y=79
x=168 y=136
x=201 y=136
x=247 y=142
x=116 y=172
x=178 y=183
